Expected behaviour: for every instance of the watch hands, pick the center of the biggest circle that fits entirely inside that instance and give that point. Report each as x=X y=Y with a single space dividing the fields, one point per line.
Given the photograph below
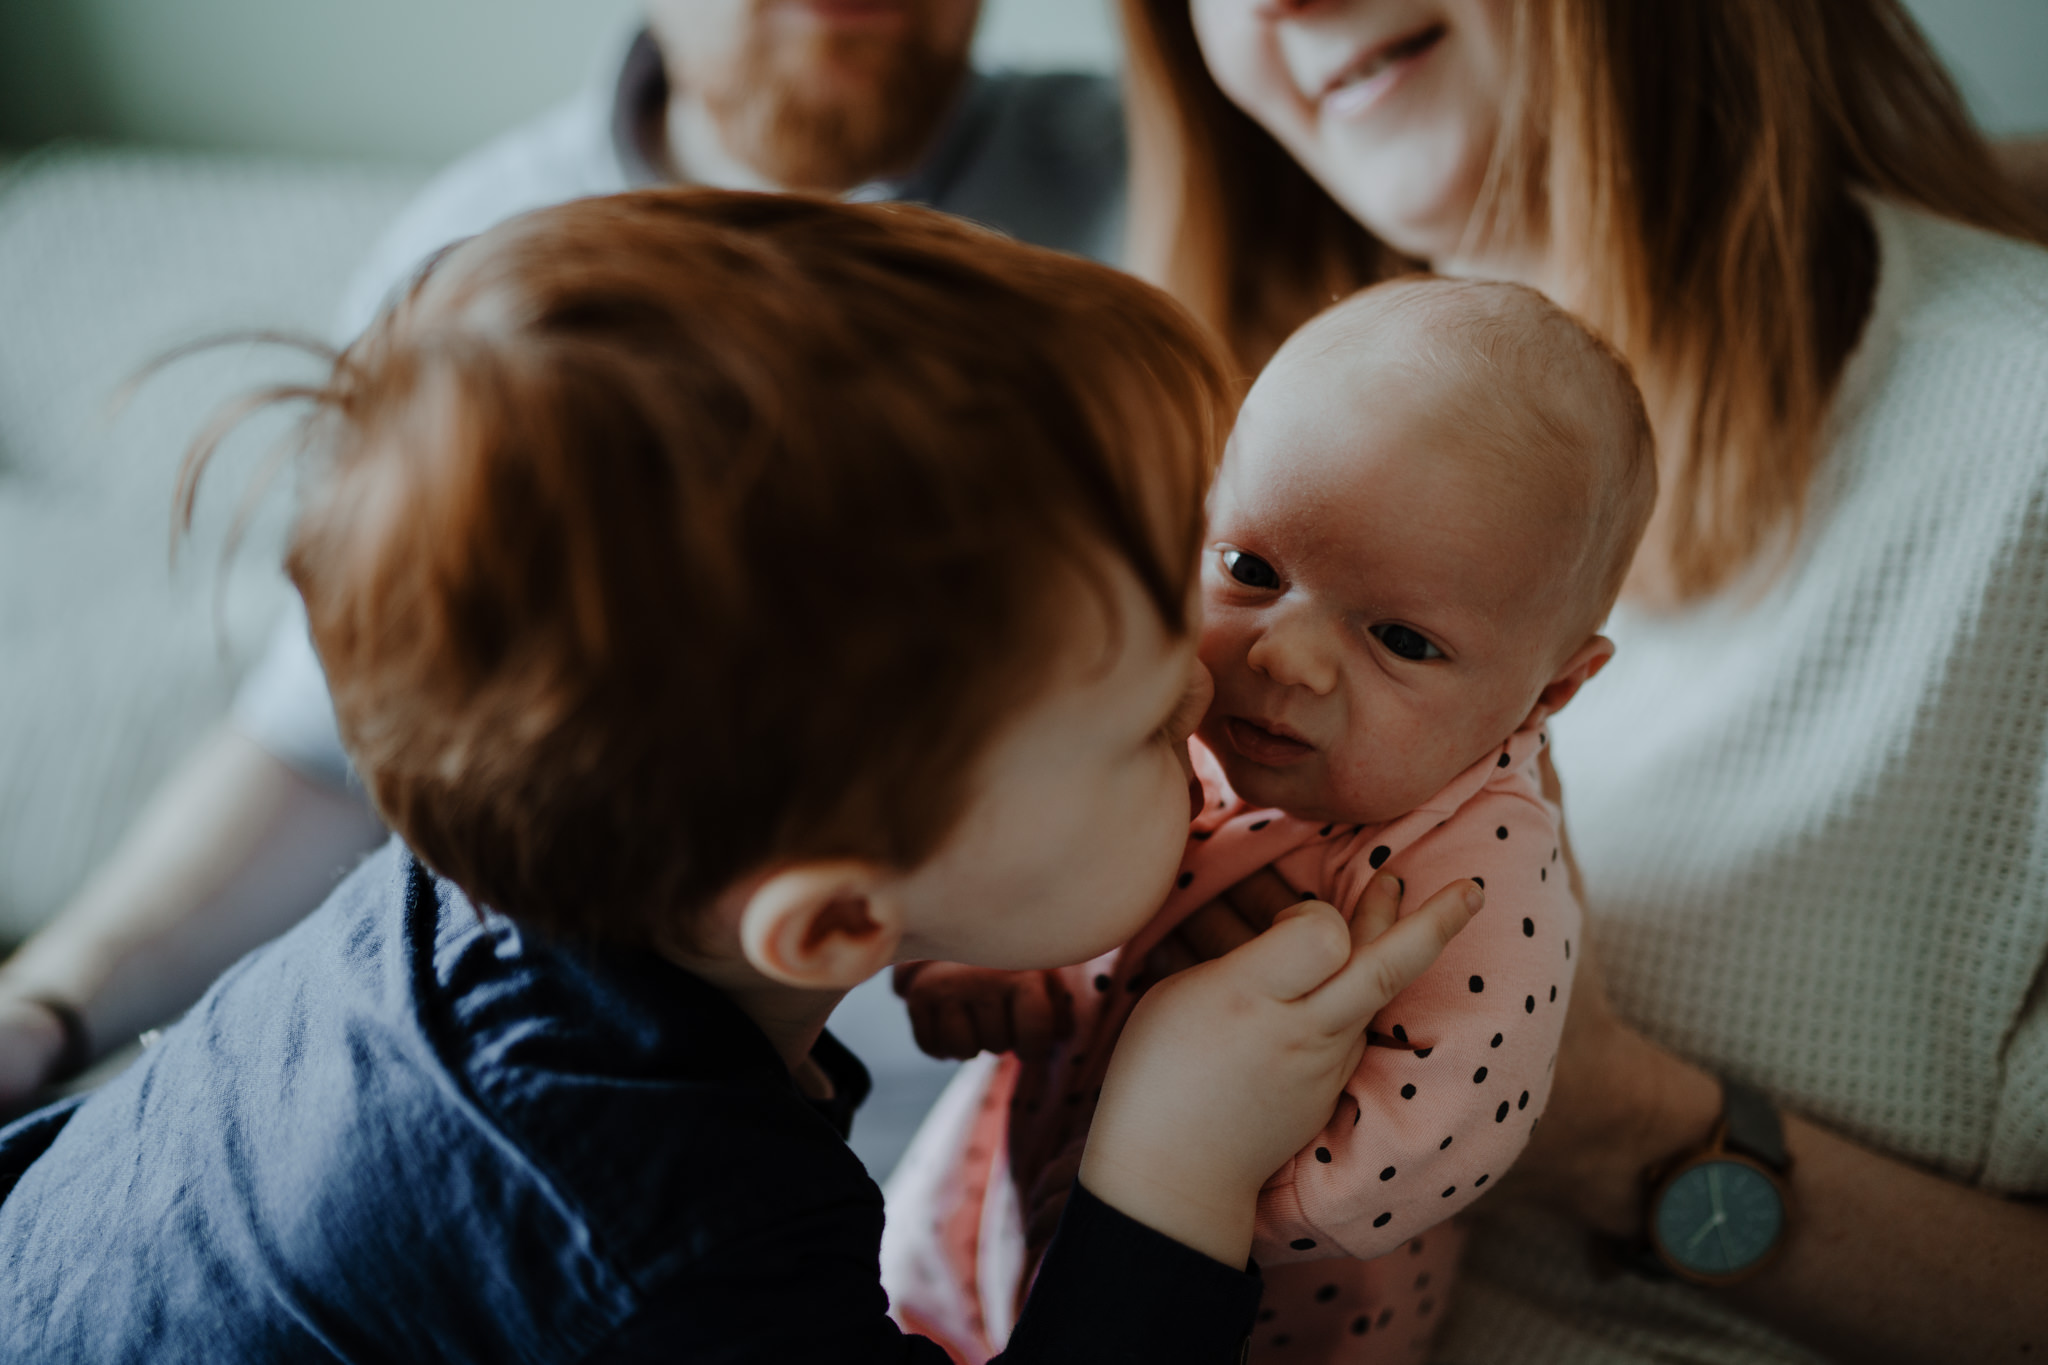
x=1716 y=1221
x=1720 y=1213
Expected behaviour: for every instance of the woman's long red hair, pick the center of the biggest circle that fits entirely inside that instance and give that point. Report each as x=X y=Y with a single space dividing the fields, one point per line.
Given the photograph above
x=1699 y=162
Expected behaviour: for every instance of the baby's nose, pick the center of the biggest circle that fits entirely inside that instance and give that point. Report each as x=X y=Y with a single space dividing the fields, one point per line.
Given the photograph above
x=1294 y=654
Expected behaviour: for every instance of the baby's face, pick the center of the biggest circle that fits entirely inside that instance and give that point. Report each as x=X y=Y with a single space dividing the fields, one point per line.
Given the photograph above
x=1381 y=607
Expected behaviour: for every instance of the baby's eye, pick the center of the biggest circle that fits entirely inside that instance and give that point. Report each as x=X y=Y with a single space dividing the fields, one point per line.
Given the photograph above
x=1250 y=570
x=1406 y=643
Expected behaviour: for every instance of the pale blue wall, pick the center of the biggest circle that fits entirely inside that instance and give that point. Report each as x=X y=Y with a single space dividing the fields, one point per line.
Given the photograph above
x=420 y=80
x=412 y=80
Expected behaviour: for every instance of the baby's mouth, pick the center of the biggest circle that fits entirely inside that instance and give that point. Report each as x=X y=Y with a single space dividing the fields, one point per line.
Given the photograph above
x=1269 y=748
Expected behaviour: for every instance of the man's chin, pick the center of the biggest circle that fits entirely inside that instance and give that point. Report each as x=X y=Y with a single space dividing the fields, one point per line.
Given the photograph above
x=851 y=109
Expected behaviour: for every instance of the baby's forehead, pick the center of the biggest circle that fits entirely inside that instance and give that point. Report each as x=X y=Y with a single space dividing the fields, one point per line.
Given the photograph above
x=1474 y=428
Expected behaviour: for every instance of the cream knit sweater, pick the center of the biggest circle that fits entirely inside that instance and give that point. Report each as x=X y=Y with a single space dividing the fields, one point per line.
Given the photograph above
x=1813 y=812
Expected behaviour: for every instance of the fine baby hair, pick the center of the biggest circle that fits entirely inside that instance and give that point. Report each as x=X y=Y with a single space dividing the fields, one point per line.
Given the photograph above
x=1543 y=397
x=656 y=539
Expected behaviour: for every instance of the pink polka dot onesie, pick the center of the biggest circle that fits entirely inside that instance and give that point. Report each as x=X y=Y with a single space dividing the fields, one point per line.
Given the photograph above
x=1352 y=1233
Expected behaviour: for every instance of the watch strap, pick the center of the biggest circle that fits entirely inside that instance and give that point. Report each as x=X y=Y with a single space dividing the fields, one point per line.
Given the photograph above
x=1752 y=1125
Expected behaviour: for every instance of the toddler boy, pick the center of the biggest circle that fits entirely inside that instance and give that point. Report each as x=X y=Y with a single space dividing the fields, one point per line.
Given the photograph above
x=723 y=597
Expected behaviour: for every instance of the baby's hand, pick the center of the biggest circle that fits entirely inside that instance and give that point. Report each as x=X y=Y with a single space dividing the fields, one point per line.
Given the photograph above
x=1227 y=1068
x=958 y=1011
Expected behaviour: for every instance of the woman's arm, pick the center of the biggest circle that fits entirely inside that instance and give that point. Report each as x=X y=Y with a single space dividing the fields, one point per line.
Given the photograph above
x=1882 y=1262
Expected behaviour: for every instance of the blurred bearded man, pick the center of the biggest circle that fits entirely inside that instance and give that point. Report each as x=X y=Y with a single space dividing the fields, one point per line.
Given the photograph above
x=871 y=99
x=808 y=96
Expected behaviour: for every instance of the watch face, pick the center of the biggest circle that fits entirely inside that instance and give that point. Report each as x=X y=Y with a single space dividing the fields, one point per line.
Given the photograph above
x=1719 y=1218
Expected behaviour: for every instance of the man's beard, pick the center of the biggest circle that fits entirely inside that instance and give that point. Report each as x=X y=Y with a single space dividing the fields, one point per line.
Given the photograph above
x=874 y=119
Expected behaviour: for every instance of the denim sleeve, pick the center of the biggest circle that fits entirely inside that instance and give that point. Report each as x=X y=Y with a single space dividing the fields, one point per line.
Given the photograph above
x=1111 y=1289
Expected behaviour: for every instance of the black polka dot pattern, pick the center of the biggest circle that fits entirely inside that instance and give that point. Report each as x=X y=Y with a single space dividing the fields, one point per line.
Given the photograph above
x=1454 y=1029
x=1102 y=978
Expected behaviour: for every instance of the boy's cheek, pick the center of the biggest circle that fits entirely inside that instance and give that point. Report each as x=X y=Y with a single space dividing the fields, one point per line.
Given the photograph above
x=1219 y=642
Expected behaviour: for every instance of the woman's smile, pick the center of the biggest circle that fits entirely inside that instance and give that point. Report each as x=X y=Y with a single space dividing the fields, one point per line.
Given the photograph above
x=1362 y=83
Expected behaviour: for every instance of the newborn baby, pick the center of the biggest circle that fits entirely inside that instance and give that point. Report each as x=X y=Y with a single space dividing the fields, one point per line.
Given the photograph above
x=1428 y=506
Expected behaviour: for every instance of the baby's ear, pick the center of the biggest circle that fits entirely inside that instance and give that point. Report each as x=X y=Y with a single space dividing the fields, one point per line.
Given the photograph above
x=822 y=925
x=1589 y=659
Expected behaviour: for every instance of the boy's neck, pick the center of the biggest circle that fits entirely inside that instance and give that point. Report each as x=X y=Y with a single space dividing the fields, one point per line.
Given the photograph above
x=791 y=1017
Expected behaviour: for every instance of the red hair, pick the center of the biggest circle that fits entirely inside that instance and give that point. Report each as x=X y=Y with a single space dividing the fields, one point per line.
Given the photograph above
x=666 y=537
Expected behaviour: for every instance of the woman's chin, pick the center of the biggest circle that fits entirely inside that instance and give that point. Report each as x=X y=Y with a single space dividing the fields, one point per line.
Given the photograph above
x=1403 y=197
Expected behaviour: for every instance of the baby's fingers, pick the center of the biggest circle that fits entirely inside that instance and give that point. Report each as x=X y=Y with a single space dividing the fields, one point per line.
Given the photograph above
x=1031 y=1017
x=940 y=1028
x=1380 y=970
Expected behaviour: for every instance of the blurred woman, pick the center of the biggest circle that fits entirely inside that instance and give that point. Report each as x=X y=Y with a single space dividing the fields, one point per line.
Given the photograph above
x=1810 y=797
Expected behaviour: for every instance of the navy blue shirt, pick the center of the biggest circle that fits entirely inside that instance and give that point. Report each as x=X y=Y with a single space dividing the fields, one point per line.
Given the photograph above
x=410 y=1131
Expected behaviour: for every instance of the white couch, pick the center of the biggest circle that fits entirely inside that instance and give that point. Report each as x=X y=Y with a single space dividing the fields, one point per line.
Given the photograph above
x=112 y=661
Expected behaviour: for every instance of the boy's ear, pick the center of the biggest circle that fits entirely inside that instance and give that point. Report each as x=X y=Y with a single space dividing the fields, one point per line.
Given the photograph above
x=1577 y=671
x=822 y=925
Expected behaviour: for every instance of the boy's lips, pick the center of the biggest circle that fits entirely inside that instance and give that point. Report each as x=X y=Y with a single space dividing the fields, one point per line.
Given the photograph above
x=1273 y=748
